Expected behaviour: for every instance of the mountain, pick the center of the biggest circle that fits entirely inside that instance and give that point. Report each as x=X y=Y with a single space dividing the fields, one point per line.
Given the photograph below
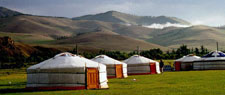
x=221 y=27
x=4 y=12
x=109 y=41
x=194 y=36
x=107 y=32
x=47 y=26
x=55 y=31
x=123 y=18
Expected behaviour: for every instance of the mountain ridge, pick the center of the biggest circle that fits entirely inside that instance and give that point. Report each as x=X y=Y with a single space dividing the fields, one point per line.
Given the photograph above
x=124 y=18
x=36 y=30
x=53 y=31
x=5 y=12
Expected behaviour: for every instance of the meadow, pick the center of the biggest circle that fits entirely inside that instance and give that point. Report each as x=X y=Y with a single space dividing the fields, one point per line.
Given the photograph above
x=13 y=82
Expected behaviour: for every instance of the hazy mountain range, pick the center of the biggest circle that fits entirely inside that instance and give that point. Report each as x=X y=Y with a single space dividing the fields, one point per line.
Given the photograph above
x=123 y=18
x=4 y=12
x=110 y=30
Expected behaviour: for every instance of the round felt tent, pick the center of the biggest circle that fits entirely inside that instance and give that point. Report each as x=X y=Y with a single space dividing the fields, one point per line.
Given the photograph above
x=185 y=63
x=138 y=65
x=212 y=61
x=115 y=68
x=67 y=71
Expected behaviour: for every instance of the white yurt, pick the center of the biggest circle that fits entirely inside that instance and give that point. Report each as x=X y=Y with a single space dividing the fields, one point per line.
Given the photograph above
x=212 y=61
x=185 y=63
x=138 y=65
x=67 y=71
x=114 y=68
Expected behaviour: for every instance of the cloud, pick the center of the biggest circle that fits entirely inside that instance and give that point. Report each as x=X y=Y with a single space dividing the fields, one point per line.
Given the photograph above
x=162 y=26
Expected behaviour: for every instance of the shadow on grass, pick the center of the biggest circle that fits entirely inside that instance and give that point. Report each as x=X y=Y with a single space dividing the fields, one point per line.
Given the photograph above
x=14 y=84
x=17 y=89
x=21 y=90
x=2 y=91
x=11 y=85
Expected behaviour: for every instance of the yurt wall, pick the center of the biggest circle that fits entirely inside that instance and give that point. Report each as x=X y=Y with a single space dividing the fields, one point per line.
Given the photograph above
x=56 y=78
x=212 y=61
x=186 y=66
x=209 y=65
x=111 y=70
x=135 y=69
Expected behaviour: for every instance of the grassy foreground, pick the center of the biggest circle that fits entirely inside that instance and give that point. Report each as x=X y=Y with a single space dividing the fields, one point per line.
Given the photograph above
x=168 y=83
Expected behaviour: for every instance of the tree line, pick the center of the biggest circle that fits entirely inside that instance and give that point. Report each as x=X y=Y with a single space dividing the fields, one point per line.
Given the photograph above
x=151 y=53
x=45 y=53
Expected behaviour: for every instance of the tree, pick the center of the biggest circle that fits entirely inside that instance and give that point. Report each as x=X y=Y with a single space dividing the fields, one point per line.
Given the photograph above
x=196 y=51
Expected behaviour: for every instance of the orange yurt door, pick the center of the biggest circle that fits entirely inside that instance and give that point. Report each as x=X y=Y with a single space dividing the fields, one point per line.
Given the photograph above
x=177 y=66
x=119 y=70
x=92 y=78
x=153 y=68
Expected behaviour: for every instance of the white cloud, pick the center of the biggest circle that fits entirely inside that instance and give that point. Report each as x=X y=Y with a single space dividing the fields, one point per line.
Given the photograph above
x=168 y=24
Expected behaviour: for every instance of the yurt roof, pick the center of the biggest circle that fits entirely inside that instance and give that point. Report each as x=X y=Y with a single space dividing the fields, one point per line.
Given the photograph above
x=106 y=60
x=214 y=54
x=188 y=58
x=137 y=59
x=65 y=60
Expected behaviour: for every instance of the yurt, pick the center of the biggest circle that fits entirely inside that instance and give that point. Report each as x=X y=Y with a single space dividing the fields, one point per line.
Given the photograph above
x=67 y=71
x=185 y=63
x=139 y=65
x=213 y=61
x=114 y=68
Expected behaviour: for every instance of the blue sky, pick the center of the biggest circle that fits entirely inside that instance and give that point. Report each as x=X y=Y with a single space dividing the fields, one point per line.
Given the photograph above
x=207 y=12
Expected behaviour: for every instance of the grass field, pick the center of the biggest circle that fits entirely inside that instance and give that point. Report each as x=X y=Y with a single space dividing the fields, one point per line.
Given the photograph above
x=28 y=38
x=168 y=83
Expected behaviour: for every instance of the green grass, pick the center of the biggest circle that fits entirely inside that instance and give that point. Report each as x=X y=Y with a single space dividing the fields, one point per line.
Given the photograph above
x=169 y=83
x=28 y=38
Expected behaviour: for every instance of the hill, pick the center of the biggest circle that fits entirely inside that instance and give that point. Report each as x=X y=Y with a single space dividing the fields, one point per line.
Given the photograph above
x=39 y=30
x=4 y=12
x=109 y=41
x=15 y=52
x=27 y=38
x=47 y=26
x=194 y=36
x=102 y=31
x=123 y=18
x=9 y=48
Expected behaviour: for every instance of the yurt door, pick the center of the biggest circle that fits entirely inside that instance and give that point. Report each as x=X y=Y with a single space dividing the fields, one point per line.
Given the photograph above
x=153 y=68
x=177 y=66
x=119 y=70
x=92 y=78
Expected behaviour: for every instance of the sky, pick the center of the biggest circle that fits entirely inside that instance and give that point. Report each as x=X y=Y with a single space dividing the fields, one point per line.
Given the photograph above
x=205 y=12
